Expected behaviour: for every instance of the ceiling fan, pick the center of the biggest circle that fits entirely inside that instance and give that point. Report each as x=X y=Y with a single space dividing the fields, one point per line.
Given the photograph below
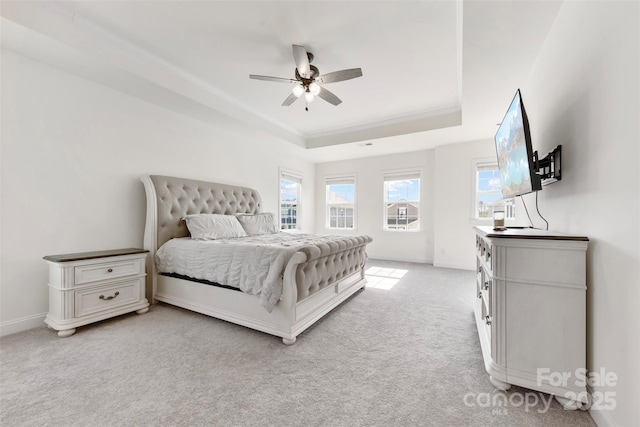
x=308 y=79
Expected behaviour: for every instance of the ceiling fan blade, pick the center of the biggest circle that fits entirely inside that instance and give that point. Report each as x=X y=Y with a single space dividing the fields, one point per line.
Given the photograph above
x=272 y=79
x=302 y=61
x=290 y=100
x=329 y=96
x=338 y=76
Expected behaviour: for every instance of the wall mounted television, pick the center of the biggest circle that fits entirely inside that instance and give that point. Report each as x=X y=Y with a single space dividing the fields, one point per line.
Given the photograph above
x=515 y=153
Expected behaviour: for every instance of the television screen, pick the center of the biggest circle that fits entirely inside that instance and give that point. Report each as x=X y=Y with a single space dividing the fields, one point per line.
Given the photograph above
x=515 y=155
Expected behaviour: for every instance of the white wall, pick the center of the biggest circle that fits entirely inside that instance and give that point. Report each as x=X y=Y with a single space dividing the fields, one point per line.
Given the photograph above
x=454 y=244
x=584 y=93
x=72 y=153
x=392 y=245
x=454 y=236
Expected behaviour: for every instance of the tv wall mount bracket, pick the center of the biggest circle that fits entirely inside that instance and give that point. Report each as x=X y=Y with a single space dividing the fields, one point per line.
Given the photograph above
x=548 y=168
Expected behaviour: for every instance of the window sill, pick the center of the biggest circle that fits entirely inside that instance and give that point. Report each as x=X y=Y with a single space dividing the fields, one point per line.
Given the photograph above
x=341 y=230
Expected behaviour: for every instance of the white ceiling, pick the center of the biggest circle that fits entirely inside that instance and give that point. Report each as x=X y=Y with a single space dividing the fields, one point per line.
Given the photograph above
x=434 y=72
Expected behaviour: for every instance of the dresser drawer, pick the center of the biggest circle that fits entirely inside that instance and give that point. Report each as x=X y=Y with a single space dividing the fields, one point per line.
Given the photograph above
x=484 y=251
x=479 y=277
x=488 y=249
x=92 y=300
x=486 y=291
x=107 y=270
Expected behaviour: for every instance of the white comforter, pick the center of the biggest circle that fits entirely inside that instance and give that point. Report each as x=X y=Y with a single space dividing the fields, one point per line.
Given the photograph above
x=252 y=264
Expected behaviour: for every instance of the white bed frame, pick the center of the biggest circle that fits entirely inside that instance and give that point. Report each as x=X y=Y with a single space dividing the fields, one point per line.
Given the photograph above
x=338 y=271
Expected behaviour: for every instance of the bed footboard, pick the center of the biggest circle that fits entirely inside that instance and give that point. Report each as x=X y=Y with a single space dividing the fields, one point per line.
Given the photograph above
x=329 y=263
x=318 y=278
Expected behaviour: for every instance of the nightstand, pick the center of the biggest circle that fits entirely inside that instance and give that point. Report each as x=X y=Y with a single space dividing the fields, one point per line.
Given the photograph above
x=91 y=286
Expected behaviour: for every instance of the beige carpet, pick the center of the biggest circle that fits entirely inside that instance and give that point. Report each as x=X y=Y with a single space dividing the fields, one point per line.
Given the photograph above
x=403 y=352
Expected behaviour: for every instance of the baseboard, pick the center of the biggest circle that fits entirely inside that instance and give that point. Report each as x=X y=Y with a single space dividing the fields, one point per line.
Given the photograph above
x=454 y=266
x=373 y=257
x=22 y=324
x=600 y=418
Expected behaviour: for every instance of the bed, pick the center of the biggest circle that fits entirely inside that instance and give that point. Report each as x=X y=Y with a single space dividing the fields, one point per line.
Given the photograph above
x=316 y=278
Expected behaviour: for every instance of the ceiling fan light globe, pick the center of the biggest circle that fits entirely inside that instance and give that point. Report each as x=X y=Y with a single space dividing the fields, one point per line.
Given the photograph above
x=297 y=91
x=308 y=96
x=314 y=88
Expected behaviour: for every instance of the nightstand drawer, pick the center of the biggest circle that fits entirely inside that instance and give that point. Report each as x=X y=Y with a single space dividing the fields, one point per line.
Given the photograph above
x=93 y=300
x=107 y=270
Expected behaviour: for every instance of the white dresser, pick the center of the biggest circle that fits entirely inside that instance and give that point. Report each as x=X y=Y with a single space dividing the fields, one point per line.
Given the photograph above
x=91 y=286
x=531 y=311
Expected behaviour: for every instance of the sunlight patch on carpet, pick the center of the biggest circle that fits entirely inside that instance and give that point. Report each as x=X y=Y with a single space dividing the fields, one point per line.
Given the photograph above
x=383 y=278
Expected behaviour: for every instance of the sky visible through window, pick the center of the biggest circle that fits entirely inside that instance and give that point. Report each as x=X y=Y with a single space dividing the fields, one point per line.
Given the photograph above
x=406 y=189
x=344 y=190
x=288 y=190
x=489 y=188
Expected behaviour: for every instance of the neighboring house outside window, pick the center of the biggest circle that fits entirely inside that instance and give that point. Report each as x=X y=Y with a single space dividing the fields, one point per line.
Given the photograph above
x=402 y=212
x=290 y=189
x=340 y=202
x=402 y=200
x=488 y=192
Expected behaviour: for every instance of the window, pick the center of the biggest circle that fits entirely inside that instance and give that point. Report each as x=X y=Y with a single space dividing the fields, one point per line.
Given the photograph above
x=290 y=186
x=488 y=192
x=340 y=202
x=402 y=201
x=402 y=212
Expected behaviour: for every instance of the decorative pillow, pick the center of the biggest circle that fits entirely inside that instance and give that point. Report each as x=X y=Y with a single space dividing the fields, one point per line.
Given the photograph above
x=213 y=226
x=258 y=224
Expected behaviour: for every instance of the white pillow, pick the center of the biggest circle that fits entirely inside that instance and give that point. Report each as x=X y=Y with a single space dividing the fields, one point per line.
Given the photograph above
x=258 y=224
x=213 y=226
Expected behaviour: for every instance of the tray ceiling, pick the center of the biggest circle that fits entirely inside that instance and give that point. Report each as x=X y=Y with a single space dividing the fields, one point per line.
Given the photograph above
x=434 y=72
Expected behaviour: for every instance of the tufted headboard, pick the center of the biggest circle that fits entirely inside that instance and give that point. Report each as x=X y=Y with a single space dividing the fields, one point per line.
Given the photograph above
x=172 y=198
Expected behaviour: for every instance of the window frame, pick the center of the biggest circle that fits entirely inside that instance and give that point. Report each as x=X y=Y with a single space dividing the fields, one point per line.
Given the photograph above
x=402 y=174
x=493 y=164
x=297 y=178
x=340 y=179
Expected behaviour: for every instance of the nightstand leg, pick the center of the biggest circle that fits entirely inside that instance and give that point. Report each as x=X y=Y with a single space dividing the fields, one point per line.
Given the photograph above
x=66 y=333
x=143 y=310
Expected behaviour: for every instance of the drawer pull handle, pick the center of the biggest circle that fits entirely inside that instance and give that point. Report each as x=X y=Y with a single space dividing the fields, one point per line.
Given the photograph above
x=110 y=270
x=109 y=298
x=486 y=286
x=487 y=320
